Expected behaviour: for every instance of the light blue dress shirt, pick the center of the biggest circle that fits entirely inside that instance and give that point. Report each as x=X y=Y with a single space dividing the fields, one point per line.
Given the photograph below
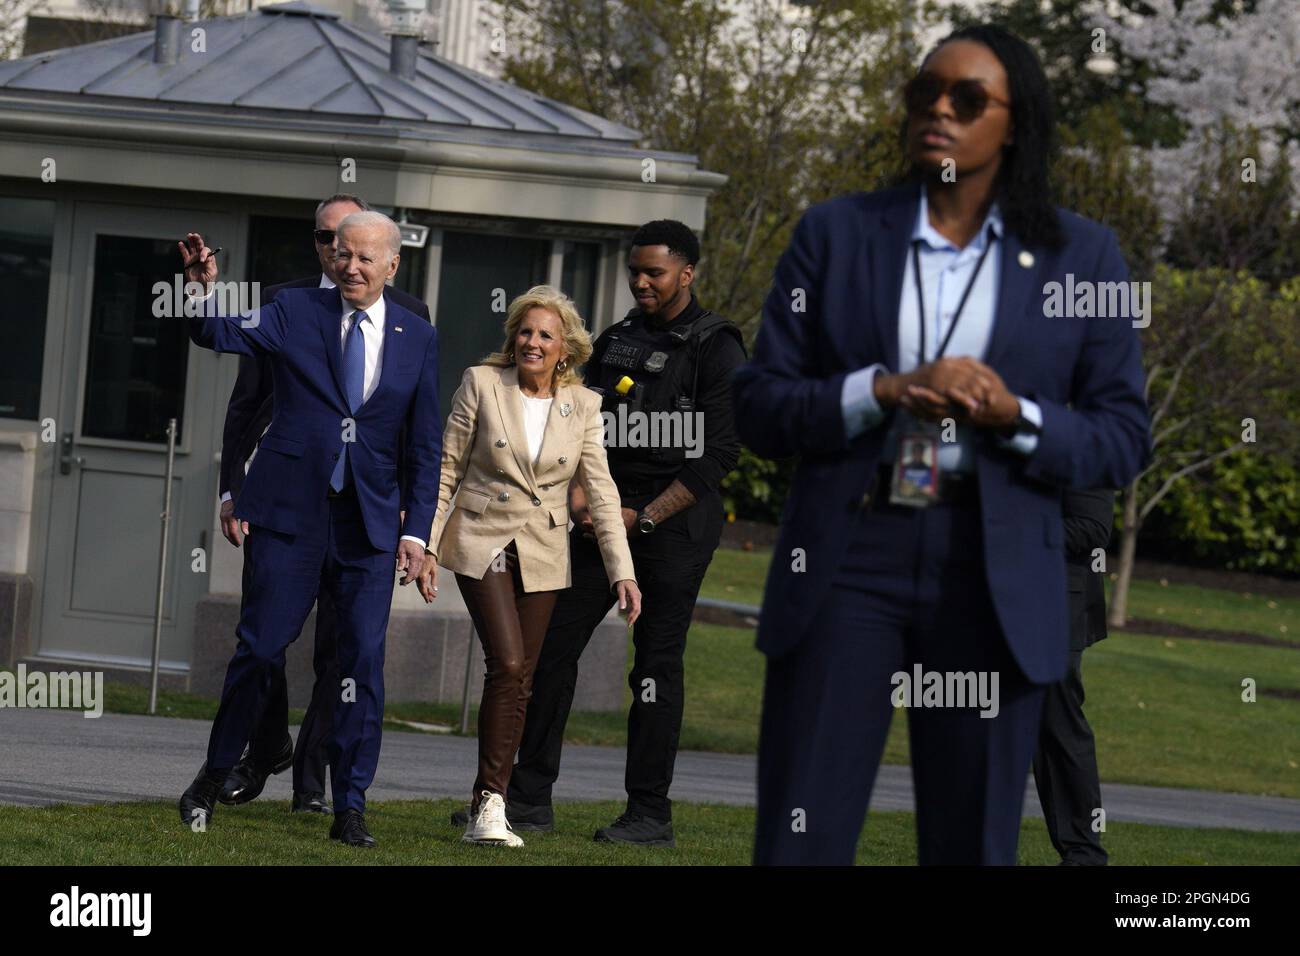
x=945 y=272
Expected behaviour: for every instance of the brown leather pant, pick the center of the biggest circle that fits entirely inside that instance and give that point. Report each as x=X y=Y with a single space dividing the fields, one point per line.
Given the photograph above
x=511 y=625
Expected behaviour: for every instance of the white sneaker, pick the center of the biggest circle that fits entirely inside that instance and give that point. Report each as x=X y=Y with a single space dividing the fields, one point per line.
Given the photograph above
x=490 y=824
x=468 y=835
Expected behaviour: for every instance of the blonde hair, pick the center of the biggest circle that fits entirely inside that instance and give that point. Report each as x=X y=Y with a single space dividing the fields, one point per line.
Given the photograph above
x=574 y=338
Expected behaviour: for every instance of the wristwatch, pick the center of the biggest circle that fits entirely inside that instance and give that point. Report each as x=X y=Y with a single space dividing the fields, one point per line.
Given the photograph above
x=645 y=522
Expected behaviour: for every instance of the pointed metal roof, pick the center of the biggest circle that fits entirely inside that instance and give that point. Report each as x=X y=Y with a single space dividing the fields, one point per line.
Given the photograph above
x=293 y=58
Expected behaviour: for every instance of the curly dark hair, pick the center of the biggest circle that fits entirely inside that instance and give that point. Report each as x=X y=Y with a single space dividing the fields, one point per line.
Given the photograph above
x=1024 y=186
x=677 y=236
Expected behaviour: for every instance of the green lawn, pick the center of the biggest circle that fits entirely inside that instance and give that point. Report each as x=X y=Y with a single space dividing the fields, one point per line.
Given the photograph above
x=736 y=575
x=1169 y=711
x=1220 y=610
x=739 y=575
x=1166 y=712
x=418 y=832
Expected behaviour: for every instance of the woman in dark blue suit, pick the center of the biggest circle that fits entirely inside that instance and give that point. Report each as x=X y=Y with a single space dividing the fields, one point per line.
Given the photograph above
x=927 y=318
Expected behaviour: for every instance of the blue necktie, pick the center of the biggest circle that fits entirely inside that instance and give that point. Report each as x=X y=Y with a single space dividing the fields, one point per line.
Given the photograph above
x=354 y=380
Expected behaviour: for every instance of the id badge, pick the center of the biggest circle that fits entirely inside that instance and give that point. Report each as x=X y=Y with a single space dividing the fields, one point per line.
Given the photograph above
x=916 y=473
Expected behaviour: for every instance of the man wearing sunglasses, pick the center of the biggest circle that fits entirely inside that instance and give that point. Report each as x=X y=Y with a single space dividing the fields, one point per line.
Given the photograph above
x=252 y=404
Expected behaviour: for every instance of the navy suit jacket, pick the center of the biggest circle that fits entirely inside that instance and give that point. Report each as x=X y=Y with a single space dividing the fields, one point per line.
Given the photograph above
x=844 y=266
x=286 y=486
x=252 y=400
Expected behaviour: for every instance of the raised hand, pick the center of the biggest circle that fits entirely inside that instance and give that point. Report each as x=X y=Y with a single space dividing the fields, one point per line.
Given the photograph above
x=199 y=264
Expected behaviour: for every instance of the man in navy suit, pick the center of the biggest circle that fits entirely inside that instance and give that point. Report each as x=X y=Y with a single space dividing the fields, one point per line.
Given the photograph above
x=353 y=372
x=916 y=314
x=252 y=404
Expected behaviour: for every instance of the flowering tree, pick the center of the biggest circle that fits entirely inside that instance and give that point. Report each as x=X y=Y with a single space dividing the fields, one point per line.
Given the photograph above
x=1221 y=342
x=1219 y=73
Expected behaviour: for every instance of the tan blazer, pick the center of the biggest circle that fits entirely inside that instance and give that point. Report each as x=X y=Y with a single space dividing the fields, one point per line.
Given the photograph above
x=501 y=496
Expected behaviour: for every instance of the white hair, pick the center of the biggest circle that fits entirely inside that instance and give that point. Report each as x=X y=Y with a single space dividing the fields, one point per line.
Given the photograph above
x=371 y=218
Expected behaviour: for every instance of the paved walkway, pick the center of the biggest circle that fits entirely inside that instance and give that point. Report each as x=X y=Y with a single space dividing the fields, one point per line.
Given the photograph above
x=49 y=756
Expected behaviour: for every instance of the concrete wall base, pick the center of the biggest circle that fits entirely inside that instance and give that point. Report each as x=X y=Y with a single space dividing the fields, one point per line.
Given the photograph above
x=424 y=657
x=15 y=618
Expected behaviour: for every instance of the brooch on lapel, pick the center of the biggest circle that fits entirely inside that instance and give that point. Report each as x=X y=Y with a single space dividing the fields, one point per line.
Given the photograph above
x=565 y=409
x=1026 y=259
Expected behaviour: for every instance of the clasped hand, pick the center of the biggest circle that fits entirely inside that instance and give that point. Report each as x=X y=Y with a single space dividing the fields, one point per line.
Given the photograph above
x=961 y=388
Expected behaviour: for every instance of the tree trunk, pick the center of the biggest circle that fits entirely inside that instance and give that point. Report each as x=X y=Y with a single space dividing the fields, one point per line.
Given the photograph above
x=1118 y=615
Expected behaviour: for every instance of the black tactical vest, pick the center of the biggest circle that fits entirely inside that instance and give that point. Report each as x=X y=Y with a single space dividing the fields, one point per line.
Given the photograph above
x=664 y=369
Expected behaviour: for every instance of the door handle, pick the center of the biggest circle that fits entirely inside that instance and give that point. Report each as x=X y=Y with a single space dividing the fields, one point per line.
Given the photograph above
x=66 y=458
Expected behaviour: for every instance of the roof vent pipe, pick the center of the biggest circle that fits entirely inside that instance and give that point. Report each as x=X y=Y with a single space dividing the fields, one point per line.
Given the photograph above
x=402 y=55
x=167 y=38
x=407 y=18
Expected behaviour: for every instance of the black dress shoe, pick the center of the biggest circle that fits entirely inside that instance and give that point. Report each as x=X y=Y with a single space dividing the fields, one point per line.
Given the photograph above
x=519 y=816
x=248 y=778
x=309 y=803
x=199 y=801
x=639 y=830
x=350 y=828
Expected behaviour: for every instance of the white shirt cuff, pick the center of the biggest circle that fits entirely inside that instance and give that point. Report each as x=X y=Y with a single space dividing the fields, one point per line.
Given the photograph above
x=858 y=401
x=225 y=496
x=1025 y=442
x=420 y=541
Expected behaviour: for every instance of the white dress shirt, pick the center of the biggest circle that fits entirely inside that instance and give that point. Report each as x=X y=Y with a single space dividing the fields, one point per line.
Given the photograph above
x=372 y=332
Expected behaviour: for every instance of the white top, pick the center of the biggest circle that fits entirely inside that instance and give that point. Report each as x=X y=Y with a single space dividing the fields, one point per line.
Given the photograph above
x=536 y=411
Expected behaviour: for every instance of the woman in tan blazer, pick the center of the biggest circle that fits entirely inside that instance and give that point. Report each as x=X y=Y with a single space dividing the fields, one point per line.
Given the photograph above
x=522 y=426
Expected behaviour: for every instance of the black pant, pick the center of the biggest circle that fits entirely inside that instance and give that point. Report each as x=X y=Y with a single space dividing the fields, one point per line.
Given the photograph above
x=670 y=566
x=1065 y=771
x=309 y=758
x=909 y=592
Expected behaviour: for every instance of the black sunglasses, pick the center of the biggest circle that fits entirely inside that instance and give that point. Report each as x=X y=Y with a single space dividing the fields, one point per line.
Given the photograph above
x=324 y=236
x=969 y=98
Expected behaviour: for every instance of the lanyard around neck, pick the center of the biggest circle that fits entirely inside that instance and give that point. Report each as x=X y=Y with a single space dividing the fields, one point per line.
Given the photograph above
x=920 y=296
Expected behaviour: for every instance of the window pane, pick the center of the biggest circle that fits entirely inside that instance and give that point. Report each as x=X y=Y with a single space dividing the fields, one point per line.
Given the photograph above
x=135 y=375
x=474 y=265
x=410 y=271
x=579 y=277
x=26 y=237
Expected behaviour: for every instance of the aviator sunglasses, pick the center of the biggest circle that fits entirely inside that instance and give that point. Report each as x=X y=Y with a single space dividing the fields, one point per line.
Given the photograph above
x=969 y=98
